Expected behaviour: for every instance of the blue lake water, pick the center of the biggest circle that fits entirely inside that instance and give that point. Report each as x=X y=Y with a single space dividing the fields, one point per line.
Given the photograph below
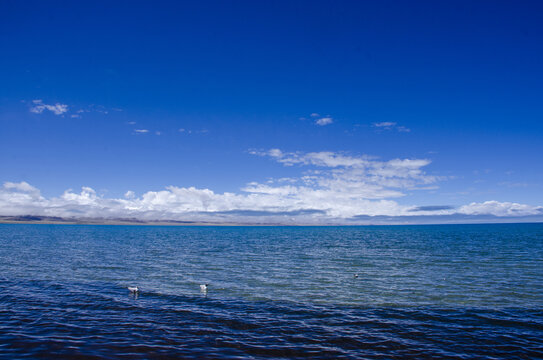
x=447 y=291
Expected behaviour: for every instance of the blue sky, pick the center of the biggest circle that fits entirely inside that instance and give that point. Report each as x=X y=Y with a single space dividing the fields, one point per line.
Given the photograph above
x=309 y=112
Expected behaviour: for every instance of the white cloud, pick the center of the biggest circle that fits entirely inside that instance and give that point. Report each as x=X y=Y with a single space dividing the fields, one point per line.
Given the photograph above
x=332 y=188
x=354 y=179
x=358 y=167
x=38 y=107
x=335 y=186
x=390 y=125
x=187 y=131
x=141 y=131
x=501 y=209
x=22 y=187
x=20 y=199
x=324 y=121
x=96 y=109
x=386 y=124
x=324 y=202
x=320 y=120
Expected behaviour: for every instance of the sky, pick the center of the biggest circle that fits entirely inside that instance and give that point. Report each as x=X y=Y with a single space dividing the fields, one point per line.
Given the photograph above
x=295 y=112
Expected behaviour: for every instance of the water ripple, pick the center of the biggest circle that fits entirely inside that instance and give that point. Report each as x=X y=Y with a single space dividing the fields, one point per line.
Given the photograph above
x=422 y=292
x=52 y=320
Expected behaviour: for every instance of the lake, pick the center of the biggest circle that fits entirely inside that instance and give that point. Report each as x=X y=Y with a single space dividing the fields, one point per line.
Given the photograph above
x=437 y=291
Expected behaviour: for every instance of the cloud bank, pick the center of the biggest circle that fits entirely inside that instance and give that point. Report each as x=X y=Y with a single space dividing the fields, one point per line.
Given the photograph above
x=336 y=188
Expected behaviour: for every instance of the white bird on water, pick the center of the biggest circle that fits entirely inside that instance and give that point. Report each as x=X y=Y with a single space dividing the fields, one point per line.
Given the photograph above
x=133 y=289
x=203 y=287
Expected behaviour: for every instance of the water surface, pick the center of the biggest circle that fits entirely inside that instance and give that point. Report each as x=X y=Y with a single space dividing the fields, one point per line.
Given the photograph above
x=455 y=291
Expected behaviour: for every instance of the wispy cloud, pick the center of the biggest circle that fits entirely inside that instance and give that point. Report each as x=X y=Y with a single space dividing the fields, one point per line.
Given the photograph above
x=93 y=108
x=189 y=131
x=389 y=125
x=385 y=124
x=143 y=131
x=338 y=176
x=512 y=184
x=38 y=107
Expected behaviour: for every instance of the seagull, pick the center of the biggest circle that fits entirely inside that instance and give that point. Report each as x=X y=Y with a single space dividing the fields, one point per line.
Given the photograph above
x=356 y=276
x=133 y=289
x=203 y=287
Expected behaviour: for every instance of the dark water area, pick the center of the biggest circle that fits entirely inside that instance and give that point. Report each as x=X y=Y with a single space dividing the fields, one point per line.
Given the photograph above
x=436 y=292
